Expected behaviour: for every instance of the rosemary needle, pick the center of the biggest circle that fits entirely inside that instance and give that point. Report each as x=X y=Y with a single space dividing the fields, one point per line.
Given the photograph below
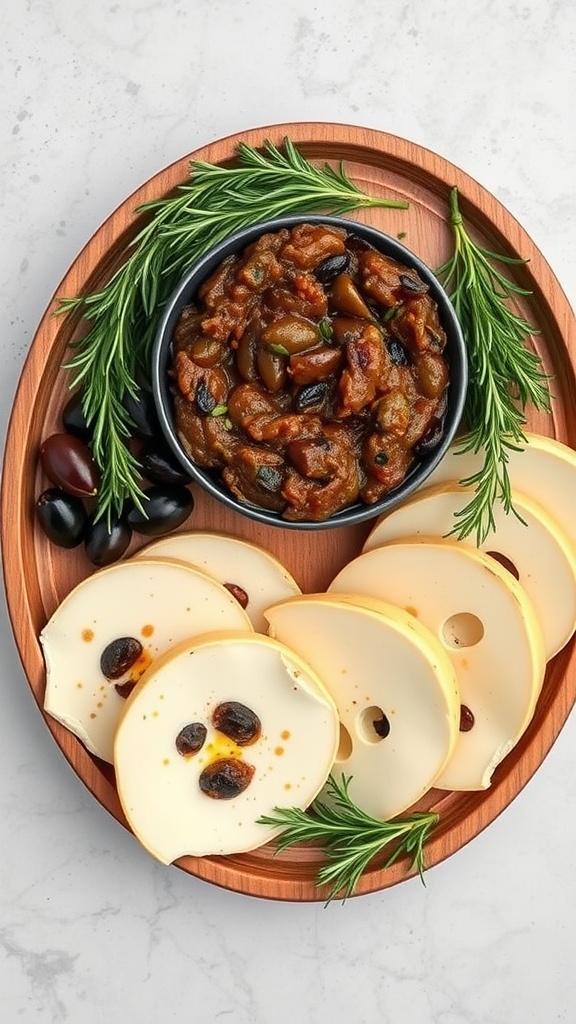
x=504 y=376
x=351 y=837
x=219 y=200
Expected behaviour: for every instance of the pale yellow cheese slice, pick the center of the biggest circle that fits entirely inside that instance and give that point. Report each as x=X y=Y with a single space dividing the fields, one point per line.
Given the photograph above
x=545 y=470
x=394 y=686
x=534 y=545
x=230 y=560
x=487 y=626
x=160 y=789
x=155 y=603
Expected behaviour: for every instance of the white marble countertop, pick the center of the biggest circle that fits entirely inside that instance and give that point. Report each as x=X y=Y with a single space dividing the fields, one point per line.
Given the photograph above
x=95 y=99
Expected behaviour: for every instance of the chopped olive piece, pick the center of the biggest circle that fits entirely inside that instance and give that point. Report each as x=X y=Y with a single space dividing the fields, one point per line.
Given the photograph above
x=191 y=739
x=237 y=721
x=310 y=396
x=413 y=284
x=225 y=778
x=329 y=268
x=119 y=655
x=239 y=593
x=205 y=401
x=382 y=727
x=269 y=478
x=125 y=689
x=466 y=719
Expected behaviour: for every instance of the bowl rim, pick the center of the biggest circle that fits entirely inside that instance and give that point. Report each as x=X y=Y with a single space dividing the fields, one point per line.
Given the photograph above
x=183 y=293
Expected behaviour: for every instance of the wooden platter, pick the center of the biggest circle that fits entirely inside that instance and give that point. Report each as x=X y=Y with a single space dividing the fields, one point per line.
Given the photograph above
x=38 y=575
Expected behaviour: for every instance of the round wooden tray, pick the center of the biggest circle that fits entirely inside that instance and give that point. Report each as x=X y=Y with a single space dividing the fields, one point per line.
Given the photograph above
x=38 y=575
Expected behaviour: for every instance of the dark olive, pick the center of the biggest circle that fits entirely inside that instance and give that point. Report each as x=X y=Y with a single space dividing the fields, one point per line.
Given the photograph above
x=103 y=545
x=142 y=412
x=73 y=418
x=225 y=778
x=205 y=401
x=414 y=285
x=166 y=506
x=62 y=517
x=431 y=439
x=190 y=739
x=381 y=727
x=269 y=478
x=397 y=352
x=329 y=268
x=160 y=466
x=237 y=722
x=68 y=463
x=239 y=593
x=119 y=655
x=466 y=719
x=125 y=689
x=310 y=396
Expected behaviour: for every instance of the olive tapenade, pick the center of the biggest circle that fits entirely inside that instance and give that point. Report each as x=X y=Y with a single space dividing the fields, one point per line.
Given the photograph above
x=310 y=372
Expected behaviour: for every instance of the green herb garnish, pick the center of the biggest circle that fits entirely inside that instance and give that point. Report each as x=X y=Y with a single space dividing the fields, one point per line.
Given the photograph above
x=124 y=314
x=352 y=838
x=504 y=375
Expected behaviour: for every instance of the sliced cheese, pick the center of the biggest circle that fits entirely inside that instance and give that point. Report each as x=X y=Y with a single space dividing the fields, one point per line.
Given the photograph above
x=154 y=603
x=232 y=561
x=288 y=763
x=535 y=547
x=545 y=470
x=486 y=624
x=394 y=686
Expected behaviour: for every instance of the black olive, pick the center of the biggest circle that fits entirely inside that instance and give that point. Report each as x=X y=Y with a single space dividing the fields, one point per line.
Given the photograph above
x=309 y=396
x=103 y=545
x=381 y=727
x=205 y=401
x=62 y=517
x=142 y=412
x=225 y=778
x=430 y=440
x=397 y=352
x=160 y=465
x=73 y=418
x=269 y=478
x=237 y=721
x=119 y=655
x=190 y=739
x=166 y=506
x=413 y=284
x=329 y=268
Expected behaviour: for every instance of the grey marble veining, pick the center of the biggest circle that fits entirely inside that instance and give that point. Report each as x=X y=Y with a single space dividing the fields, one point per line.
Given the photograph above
x=96 y=99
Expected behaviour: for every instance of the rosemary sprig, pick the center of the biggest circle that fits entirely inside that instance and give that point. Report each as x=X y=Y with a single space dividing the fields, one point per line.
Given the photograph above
x=504 y=375
x=351 y=838
x=124 y=314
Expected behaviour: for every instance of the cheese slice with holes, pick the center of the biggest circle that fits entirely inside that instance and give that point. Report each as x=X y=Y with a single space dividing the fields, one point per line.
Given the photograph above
x=488 y=627
x=394 y=686
x=261 y=577
x=163 y=792
x=152 y=604
x=545 y=470
x=534 y=548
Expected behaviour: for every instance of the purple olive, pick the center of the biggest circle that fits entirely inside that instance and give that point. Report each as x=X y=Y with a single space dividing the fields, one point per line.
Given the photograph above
x=62 y=517
x=142 y=412
x=68 y=463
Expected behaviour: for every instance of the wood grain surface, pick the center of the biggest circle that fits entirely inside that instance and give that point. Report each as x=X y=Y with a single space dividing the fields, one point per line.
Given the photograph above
x=38 y=575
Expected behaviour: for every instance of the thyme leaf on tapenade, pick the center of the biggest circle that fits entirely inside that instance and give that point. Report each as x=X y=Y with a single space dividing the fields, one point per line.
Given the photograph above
x=351 y=837
x=504 y=374
x=123 y=315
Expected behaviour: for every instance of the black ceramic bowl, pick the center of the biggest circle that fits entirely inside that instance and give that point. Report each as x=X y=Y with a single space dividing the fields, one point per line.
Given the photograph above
x=184 y=295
